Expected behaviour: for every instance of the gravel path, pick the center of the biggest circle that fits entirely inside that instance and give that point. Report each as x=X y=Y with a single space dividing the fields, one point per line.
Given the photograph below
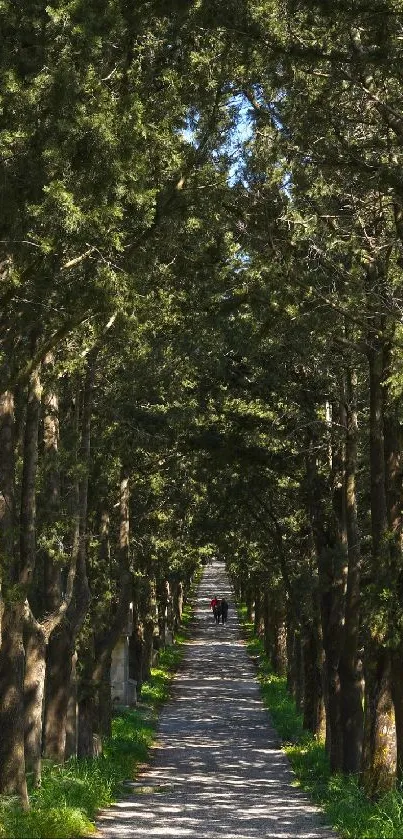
x=217 y=769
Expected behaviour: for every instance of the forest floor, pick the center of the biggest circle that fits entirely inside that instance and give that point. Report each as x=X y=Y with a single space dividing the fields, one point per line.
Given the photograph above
x=217 y=768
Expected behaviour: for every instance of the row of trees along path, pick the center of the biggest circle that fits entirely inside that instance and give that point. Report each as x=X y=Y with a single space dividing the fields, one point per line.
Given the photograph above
x=201 y=343
x=217 y=767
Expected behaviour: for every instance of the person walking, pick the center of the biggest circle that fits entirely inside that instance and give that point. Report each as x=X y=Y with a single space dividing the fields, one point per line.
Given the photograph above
x=224 y=610
x=215 y=603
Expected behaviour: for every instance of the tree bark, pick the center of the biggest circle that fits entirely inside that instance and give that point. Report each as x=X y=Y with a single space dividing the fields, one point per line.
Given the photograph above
x=177 y=602
x=279 y=651
x=34 y=637
x=163 y=609
x=7 y=468
x=397 y=697
x=52 y=569
x=34 y=682
x=329 y=540
x=57 y=688
x=28 y=482
x=258 y=618
x=299 y=675
x=71 y=739
x=295 y=683
x=92 y=689
x=36 y=634
x=56 y=602
x=267 y=628
x=350 y=667
x=12 y=758
x=274 y=632
x=12 y=659
x=394 y=503
x=61 y=647
x=312 y=653
x=378 y=751
x=149 y=626
x=249 y=603
x=136 y=654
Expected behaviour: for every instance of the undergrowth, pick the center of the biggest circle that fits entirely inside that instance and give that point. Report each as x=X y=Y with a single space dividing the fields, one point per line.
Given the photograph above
x=67 y=802
x=71 y=794
x=344 y=802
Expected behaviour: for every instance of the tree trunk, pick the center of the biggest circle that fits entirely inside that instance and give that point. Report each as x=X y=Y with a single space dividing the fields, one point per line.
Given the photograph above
x=28 y=482
x=279 y=645
x=136 y=654
x=56 y=601
x=57 y=689
x=148 y=647
x=313 y=711
x=163 y=607
x=267 y=620
x=397 y=697
x=71 y=738
x=258 y=618
x=149 y=623
x=329 y=538
x=379 y=746
x=92 y=690
x=103 y=711
x=394 y=503
x=274 y=632
x=334 y=742
x=177 y=602
x=294 y=659
x=62 y=644
x=102 y=678
x=86 y=719
x=7 y=510
x=312 y=653
x=34 y=682
x=35 y=639
x=299 y=673
x=12 y=760
x=249 y=603
x=350 y=667
x=36 y=636
x=379 y=753
x=291 y=674
x=52 y=569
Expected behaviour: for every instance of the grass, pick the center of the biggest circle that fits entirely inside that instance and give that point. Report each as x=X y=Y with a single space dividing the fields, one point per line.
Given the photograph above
x=70 y=795
x=66 y=804
x=344 y=802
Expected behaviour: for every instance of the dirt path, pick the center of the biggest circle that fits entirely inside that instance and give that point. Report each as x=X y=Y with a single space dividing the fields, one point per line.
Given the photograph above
x=217 y=769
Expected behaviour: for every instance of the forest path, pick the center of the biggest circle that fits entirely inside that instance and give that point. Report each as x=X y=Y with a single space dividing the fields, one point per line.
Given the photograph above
x=217 y=768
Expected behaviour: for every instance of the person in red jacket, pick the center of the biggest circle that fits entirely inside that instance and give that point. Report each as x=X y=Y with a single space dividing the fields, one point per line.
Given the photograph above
x=215 y=605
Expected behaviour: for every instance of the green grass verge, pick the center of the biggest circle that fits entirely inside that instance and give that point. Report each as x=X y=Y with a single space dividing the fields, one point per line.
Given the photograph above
x=344 y=802
x=66 y=804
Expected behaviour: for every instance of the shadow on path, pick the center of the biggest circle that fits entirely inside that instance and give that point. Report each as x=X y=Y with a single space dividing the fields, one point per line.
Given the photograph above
x=217 y=768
